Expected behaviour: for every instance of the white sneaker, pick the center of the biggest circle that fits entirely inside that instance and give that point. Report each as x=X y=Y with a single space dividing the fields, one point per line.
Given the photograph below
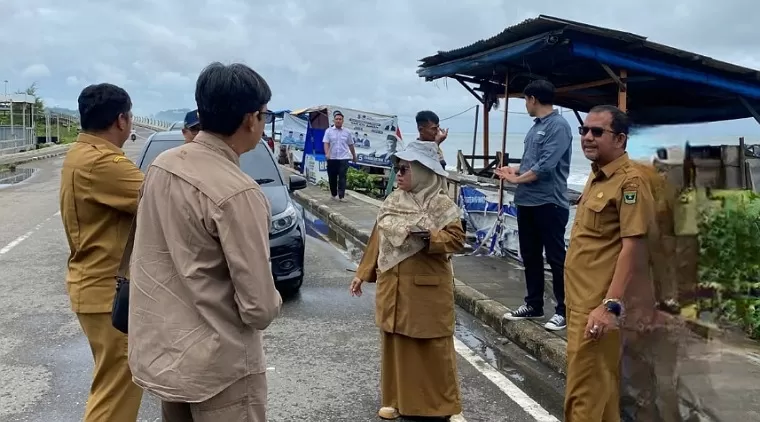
x=388 y=413
x=556 y=323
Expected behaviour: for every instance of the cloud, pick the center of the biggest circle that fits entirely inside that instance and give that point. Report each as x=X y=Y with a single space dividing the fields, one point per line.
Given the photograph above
x=361 y=54
x=36 y=71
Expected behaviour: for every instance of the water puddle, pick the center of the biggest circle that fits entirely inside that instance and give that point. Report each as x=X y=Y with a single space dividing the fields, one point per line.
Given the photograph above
x=9 y=177
x=487 y=352
x=314 y=226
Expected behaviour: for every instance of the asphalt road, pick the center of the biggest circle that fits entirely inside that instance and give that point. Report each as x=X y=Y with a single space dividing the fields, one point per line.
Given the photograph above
x=323 y=351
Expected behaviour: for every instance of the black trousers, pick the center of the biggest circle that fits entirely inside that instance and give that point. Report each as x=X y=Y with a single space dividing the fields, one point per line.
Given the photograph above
x=336 y=177
x=543 y=228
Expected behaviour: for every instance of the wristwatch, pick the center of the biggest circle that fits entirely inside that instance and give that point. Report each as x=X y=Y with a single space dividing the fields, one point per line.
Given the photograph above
x=613 y=306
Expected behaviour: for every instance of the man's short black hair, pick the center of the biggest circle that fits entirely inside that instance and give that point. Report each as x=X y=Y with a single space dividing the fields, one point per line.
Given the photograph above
x=542 y=90
x=100 y=106
x=226 y=93
x=620 y=121
x=426 y=116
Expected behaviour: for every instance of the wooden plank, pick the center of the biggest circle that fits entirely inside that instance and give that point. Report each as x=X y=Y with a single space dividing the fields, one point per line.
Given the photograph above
x=623 y=92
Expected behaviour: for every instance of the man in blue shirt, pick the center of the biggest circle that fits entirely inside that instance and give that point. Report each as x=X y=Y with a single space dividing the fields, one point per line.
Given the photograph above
x=542 y=204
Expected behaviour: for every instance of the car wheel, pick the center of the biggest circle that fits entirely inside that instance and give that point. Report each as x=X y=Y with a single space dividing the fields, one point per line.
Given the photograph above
x=292 y=290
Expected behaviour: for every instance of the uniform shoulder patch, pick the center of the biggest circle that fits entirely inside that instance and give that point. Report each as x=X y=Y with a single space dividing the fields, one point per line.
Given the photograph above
x=629 y=196
x=630 y=190
x=119 y=158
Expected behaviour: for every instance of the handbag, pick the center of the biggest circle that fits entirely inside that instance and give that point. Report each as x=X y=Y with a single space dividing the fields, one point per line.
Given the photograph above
x=120 y=309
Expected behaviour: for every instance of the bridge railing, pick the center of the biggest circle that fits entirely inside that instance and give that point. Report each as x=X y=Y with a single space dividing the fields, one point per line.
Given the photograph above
x=150 y=123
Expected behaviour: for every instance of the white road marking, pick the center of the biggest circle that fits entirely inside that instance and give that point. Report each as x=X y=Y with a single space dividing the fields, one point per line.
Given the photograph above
x=497 y=378
x=7 y=248
x=505 y=385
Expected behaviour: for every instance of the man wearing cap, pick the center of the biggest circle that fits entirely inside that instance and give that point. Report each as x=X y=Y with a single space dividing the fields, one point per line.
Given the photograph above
x=192 y=126
x=339 y=149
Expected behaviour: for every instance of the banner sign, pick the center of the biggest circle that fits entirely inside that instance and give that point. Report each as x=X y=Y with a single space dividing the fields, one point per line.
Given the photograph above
x=376 y=136
x=293 y=131
x=475 y=200
x=315 y=168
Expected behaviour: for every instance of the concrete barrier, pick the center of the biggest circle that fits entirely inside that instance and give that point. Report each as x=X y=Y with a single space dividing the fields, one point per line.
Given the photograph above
x=37 y=154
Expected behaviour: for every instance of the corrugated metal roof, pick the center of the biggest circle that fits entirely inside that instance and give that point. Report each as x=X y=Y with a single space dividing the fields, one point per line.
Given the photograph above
x=546 y=24
x=665 y=85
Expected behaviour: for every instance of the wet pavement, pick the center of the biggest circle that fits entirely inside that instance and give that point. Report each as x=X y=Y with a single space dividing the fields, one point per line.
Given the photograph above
x=323 y=351
x=15 y=175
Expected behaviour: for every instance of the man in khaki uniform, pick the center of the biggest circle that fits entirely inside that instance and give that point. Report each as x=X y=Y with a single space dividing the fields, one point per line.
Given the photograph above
x=99 y=189
x=607 y=251
x=202 y=289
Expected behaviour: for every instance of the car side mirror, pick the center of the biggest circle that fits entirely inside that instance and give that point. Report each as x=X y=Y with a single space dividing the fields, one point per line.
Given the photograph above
x=297 y=182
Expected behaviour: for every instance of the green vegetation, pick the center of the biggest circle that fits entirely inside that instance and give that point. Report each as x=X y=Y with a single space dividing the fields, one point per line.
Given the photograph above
x=362 y=182
x=365 y=183
x=729 y=262
x=67 y=133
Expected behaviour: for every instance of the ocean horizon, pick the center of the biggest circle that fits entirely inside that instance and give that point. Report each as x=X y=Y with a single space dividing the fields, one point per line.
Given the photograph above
x=640 y=147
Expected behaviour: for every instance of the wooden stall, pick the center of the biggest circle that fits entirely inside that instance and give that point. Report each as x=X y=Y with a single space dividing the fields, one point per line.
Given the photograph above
x=589 y=65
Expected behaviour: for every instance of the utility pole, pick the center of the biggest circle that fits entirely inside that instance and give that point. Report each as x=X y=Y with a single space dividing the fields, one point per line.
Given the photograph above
x=13 y=131
x=47 y=127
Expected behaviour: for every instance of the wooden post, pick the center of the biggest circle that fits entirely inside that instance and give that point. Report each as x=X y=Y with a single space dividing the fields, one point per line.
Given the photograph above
x=742 y=164
x=504 y=139
x=487 y=99
x=623 y=92
x=475 y=135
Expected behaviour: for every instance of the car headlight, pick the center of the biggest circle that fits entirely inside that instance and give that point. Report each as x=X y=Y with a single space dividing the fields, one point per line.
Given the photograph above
x=284 y=220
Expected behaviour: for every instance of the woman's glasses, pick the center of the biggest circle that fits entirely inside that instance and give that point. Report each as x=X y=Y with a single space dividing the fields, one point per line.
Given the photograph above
x=596 y=131
x=401 y=170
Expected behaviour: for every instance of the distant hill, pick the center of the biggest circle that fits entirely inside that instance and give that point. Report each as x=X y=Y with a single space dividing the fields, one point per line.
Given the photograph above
x=171 y=115
x=63 y=110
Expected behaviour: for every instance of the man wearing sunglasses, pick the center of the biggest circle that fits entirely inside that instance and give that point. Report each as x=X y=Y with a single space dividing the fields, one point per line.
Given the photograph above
x=543 y=207
x=607 y=251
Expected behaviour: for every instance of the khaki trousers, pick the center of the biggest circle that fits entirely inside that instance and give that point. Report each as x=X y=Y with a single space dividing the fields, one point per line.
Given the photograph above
x=592 y=392
x=113 y=396
x=243 y=401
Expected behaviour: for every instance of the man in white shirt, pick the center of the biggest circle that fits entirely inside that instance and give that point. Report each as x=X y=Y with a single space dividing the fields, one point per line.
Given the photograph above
x=339 y=149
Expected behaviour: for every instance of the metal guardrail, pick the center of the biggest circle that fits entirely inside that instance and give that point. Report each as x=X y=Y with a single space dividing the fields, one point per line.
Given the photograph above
x=149 y=123
x=20 y=139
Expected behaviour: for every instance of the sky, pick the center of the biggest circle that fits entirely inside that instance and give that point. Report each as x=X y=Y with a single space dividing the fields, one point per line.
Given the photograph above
x=356 y=54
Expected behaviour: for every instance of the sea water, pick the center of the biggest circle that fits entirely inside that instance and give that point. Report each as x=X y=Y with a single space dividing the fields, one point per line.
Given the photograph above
x=639 y=148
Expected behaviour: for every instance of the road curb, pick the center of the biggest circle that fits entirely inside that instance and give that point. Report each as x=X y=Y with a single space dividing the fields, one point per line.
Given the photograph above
x=39 y=154
x=545 y=346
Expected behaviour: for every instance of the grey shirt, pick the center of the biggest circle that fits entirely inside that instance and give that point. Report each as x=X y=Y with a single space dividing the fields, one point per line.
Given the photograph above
x=548 y=149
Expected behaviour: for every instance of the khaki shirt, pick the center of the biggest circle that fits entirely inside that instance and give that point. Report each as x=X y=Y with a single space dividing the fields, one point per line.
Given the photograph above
x=201 y=283
x=616 y=203
x=98 y=198
x=416 y=297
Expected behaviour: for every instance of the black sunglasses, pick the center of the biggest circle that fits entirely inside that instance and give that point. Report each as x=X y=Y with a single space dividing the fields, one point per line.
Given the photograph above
x=596 y=131
x=401 y=169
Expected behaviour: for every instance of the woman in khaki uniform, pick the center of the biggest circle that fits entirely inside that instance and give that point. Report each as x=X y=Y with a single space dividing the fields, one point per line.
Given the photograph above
x=409 y=257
